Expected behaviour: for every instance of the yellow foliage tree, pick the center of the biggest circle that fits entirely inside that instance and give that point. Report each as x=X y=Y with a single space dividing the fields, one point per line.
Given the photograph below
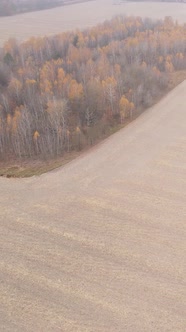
x=36 y=135
x=125 y=107
x=9 y=120
x=75 y=90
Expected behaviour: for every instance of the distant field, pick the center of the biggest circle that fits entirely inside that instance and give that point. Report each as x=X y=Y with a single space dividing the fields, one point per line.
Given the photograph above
x=15 y=7
x=82 y=15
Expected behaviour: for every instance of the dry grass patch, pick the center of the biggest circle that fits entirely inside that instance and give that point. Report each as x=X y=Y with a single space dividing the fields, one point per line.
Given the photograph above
x=28 y=168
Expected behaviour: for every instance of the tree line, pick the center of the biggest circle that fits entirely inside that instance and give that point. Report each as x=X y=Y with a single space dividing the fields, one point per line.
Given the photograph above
x=11 y=7
x=63 y=92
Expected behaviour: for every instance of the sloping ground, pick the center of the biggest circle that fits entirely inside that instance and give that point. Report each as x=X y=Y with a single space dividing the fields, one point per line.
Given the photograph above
x=56 y=20
x=100 y=245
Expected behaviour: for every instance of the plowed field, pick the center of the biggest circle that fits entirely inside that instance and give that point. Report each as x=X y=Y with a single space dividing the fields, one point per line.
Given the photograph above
x=100 y=244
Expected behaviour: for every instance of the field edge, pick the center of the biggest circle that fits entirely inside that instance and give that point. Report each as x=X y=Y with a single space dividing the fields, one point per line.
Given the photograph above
x=28 y=168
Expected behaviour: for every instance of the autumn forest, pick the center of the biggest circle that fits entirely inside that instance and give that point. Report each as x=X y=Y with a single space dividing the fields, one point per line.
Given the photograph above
x=62 y=93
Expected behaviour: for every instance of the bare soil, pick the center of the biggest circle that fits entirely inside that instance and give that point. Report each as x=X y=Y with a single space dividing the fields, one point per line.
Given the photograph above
x=99 y=245
x=82 y=15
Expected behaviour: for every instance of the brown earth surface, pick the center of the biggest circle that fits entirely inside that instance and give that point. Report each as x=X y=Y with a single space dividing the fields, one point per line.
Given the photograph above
x=56 y=20
x=100 y=244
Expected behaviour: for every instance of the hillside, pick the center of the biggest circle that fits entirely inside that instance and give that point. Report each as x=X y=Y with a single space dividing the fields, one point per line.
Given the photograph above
x=100 y=244
x=97 y=245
